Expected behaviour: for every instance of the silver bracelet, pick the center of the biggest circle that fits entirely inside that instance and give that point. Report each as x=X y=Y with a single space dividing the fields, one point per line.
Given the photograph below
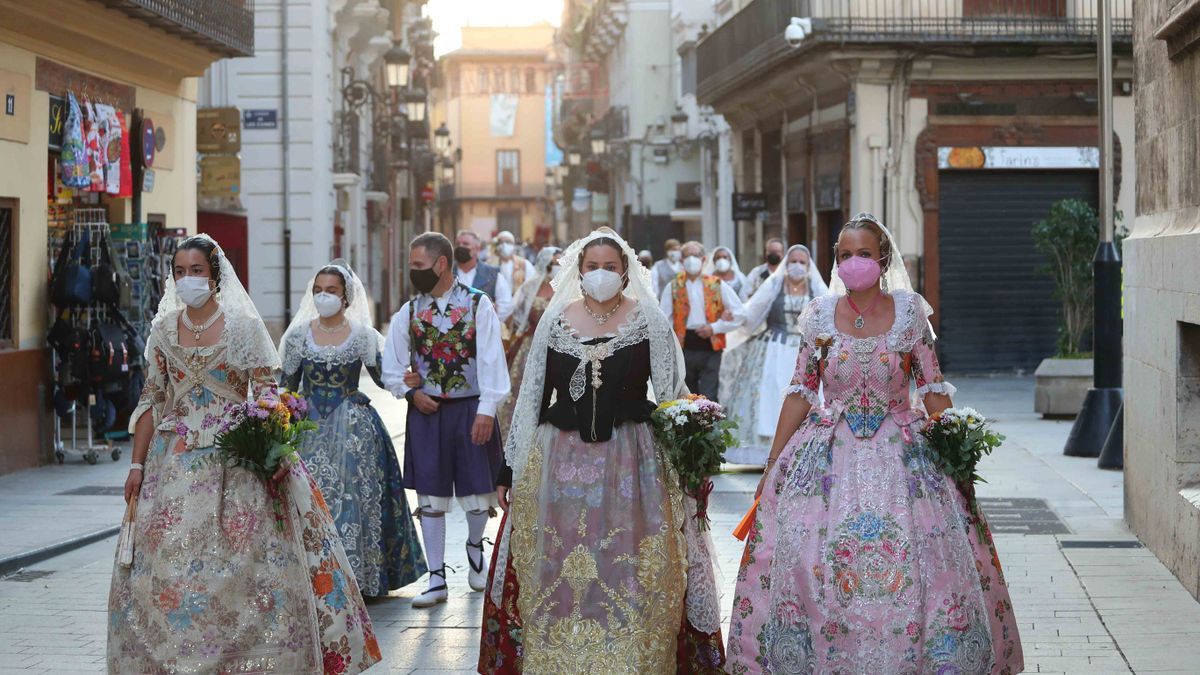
x=136 y=465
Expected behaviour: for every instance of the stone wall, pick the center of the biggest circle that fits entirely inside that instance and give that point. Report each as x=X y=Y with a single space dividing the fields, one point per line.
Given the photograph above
x=1162 y=292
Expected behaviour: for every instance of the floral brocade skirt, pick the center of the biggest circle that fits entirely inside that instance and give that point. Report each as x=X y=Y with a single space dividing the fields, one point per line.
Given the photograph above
x=598 y=569
x=351 y=457
x=864 y=558
x=227 y=577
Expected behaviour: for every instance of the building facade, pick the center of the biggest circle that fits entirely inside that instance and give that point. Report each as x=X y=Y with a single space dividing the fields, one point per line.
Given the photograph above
x=328 y=174
x=492 y=100
x=140 y=59
x=650 y=157
x=957 y=122
x=1162 y=293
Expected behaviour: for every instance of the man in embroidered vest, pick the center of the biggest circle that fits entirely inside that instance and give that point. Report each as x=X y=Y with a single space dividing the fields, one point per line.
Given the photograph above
x=513 y=266
x=475 y=274
x=444 y=356
x=703 y=308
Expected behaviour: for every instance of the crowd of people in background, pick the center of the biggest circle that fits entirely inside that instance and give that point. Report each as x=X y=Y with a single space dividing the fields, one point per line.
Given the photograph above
x=531 y=380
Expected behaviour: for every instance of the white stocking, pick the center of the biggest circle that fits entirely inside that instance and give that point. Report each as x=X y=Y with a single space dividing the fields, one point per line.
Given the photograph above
x=433 y=531
x=476 y=521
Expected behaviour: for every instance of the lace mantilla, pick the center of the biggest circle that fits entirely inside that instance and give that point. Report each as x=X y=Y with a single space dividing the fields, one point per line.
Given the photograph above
x=364 y=342
x=565 y=340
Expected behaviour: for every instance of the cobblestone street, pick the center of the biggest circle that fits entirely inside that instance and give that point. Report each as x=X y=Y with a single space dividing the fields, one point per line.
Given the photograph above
x=1088 y=598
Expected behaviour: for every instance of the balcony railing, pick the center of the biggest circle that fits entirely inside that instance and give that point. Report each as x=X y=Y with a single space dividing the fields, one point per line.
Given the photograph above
x=753 y=38
x=484 y=191
x=223 y=26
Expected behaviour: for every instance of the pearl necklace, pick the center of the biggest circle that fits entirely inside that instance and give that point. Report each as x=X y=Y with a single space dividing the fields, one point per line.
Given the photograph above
x=197 y=331
x=336 y=329
x=602 y=319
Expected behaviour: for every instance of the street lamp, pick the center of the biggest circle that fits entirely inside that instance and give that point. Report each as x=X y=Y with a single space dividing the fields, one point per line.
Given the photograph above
x=679 y=123
x=441 y=138
x=396 y=62
x=599 y=142
x=574 y=157
x=415 y=102
x=447 y=171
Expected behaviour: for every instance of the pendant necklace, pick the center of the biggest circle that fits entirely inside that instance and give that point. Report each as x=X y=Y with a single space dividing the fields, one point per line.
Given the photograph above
x=602 y=319
x=197 y=331
x=860 y=321
x=336 y=329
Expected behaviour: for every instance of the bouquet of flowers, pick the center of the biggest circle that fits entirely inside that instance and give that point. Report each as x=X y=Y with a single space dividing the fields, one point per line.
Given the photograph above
x=260 y=435
x=694 y=433
x=959 y=438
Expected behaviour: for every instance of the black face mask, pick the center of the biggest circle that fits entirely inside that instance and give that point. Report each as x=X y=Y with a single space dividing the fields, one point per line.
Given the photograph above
x=774 y=259
x=424 y=280
x=462 y=254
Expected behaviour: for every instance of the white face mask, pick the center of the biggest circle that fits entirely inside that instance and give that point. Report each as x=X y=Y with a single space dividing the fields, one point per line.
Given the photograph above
x=554 y=269
x=797 y=271
x=692 y=264
x=193 y=291
x=722 y=265
x=602 y=285
x=675 y=256
x=506 y=250
x=327 y=304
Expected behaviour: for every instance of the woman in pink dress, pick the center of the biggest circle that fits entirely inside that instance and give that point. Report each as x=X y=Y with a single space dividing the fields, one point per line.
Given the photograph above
x=863 y=556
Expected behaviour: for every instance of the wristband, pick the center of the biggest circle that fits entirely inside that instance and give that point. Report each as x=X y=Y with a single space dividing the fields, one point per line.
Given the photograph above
x=138 y=466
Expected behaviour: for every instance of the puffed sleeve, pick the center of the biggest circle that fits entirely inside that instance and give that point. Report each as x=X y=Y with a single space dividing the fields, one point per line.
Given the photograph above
x=806 y=380
x=923 y=361
x=154 y=394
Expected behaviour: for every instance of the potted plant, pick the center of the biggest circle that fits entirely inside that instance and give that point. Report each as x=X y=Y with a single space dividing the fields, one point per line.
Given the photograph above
x=1068 y=238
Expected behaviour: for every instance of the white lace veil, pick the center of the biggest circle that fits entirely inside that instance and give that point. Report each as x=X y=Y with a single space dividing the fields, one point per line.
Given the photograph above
x=524 y=297
x=895 y=277
x=249 y=346
x=759 y=304
x=666 y=357
x=358 y=314
x=710 y=264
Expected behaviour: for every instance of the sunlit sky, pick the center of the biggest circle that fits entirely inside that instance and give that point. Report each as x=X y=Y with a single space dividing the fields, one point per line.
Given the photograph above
x=450 y=15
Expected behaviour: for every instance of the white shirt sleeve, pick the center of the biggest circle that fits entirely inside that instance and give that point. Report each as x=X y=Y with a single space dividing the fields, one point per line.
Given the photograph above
x=504 y=298
x=732 y=303
x=490 y=365
x=396 y=355
x=530 y=270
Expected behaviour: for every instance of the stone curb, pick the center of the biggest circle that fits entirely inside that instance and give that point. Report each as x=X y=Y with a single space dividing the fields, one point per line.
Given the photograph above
x=14 y=563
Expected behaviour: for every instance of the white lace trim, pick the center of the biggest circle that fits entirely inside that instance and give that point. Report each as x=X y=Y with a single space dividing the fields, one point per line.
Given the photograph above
x=937 y=388
x=910 y=324
x=565 y=340
x=809 y=395
x=703 y=598
x=363 y=344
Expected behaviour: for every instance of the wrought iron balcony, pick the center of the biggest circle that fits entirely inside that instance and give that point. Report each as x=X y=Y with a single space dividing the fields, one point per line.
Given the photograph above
x=223 y=26
x=752 y=40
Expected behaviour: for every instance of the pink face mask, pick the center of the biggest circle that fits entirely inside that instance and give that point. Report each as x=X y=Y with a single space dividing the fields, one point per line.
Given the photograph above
x=859 y=273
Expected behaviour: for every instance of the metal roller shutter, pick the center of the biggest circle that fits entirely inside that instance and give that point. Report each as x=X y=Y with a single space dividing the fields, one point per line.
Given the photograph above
x=998 y=313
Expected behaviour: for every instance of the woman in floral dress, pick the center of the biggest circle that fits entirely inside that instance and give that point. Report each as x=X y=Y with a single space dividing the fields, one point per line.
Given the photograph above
x=863 y=556
x=350 y=454
x=230 y=574
x=598 y=568
x=530 y=301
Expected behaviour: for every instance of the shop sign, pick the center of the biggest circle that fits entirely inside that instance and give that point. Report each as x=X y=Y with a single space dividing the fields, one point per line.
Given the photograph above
x=797 y=197
x=599 y=208
x=148 y=181
x=1024 y=157
x=219 y=130
x=747 y=205
x=58 y=121
x=260 y=119
x=220 y=176
x=829 y=192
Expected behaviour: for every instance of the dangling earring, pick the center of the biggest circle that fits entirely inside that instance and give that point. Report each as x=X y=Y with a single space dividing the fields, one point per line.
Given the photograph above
x=884 y=282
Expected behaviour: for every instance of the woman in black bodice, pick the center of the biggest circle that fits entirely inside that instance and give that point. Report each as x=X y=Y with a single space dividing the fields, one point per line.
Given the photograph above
x=597 y=568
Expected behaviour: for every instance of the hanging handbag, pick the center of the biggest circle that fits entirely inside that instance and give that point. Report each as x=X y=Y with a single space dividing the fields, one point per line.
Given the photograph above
x=110 y=360
x=59 y=294
x=105 y=282
x=73 y=163
x=79 y=272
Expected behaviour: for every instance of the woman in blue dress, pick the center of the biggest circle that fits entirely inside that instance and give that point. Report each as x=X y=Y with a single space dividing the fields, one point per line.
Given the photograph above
x=351 y=455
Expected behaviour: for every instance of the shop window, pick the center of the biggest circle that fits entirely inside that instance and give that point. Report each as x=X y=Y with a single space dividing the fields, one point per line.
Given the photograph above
x=530 y=81
x=508 y=172
x=8 y=289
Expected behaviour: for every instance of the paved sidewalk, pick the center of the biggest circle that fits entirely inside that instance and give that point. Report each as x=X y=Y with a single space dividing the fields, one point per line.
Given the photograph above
x=1081 y=605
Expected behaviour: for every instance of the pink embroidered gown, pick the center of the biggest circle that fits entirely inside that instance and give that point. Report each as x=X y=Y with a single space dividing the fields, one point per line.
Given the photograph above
x=863 y=557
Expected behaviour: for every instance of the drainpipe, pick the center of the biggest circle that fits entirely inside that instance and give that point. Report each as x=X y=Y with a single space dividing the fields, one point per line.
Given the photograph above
x=286 y=140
